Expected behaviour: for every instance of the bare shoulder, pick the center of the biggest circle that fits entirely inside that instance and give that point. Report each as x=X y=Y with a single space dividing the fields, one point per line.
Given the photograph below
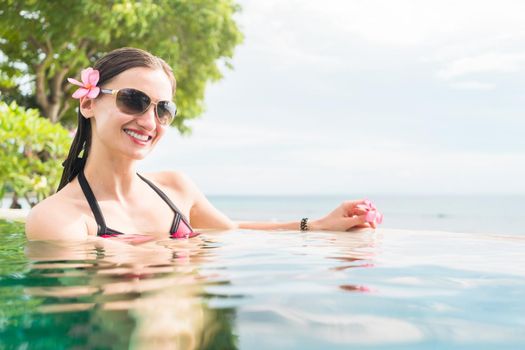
x=182 y=189
x=179 y=184
x=202 y=213
x=175 y=180
x=56 y=218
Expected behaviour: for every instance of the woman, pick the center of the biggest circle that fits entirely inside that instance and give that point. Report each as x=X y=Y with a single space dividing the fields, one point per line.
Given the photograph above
x=125 y=109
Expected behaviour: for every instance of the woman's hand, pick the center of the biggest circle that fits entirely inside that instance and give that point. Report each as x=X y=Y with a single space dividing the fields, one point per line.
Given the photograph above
x=350 y=214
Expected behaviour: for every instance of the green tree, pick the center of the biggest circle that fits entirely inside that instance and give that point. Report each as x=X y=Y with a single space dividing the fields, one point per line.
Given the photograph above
x=44 y=42
x=31 y=151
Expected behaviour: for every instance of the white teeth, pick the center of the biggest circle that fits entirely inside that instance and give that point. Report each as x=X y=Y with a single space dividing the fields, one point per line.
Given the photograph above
x=137 y=136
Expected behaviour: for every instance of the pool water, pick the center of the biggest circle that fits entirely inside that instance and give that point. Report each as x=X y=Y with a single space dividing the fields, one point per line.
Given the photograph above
x=388 y=289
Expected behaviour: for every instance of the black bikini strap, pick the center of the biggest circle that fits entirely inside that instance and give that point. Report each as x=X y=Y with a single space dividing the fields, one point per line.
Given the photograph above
x=176 y=223
x=92 y=201
x=178 y=215
x=160 y=193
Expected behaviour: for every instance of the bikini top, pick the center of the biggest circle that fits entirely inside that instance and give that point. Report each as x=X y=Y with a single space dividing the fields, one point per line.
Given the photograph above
x=180 y=228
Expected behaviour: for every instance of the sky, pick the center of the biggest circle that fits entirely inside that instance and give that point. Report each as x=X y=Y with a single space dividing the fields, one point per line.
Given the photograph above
x=342 y=97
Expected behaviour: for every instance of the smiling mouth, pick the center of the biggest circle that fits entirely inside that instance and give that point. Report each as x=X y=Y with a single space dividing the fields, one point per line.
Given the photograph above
x=143 y=138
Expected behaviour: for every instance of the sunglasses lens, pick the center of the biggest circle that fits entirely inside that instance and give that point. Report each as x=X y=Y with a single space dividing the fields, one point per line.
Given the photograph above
x=132 y=101
x=166 y=111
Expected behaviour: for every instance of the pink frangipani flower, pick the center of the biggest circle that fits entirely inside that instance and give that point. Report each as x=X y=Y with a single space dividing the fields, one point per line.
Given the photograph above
x=372 y=213
x=88 y=86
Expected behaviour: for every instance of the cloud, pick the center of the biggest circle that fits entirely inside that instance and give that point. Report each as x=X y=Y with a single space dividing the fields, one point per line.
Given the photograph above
x=340 y=96
x=472 y=85
x=317 y=166
x=210 y=133
x=384 y=22
x=484 y=63
x=458 y=39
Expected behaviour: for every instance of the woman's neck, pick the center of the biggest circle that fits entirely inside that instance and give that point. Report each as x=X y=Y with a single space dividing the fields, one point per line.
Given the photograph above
x=111 y=177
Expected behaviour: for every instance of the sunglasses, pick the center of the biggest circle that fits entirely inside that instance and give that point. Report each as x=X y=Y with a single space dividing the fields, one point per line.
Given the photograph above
x=135 y=102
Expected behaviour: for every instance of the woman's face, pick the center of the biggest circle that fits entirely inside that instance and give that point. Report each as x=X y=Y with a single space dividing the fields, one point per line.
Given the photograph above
x=132 y=136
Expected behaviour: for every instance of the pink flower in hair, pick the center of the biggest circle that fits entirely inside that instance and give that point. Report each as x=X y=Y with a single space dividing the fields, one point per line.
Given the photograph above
x=88 y=86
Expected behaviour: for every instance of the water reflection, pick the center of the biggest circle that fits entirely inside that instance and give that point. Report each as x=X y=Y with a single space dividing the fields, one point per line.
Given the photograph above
x=138 y=296
x=328 y=326
x=178 y=294
x=249 y=289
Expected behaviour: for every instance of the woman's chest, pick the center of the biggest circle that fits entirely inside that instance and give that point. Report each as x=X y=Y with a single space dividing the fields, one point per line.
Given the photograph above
x=150 y=214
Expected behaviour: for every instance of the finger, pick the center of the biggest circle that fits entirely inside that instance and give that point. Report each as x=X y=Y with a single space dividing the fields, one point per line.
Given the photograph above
x=355 y=220
x=365 y=225
x=368 y=221
x=349 y=204
x=358 y=210
x=356 y=207
x=359 y=228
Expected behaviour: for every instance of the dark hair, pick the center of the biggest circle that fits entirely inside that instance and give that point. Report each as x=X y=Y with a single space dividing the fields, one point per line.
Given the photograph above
x=109 y=66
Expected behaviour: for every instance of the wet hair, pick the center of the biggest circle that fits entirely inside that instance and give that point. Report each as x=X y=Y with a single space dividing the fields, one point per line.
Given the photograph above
x=109 y=66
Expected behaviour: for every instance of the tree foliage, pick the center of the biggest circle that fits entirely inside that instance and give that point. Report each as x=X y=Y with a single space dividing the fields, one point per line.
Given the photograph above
x=31 y=152
x=44 y=42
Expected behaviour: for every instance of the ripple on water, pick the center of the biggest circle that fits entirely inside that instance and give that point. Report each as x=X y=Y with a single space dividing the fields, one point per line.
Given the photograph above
x=252 y=289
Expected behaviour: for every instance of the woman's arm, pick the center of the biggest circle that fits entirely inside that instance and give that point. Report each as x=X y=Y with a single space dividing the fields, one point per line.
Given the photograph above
x=347 y=216
x=202 y=214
